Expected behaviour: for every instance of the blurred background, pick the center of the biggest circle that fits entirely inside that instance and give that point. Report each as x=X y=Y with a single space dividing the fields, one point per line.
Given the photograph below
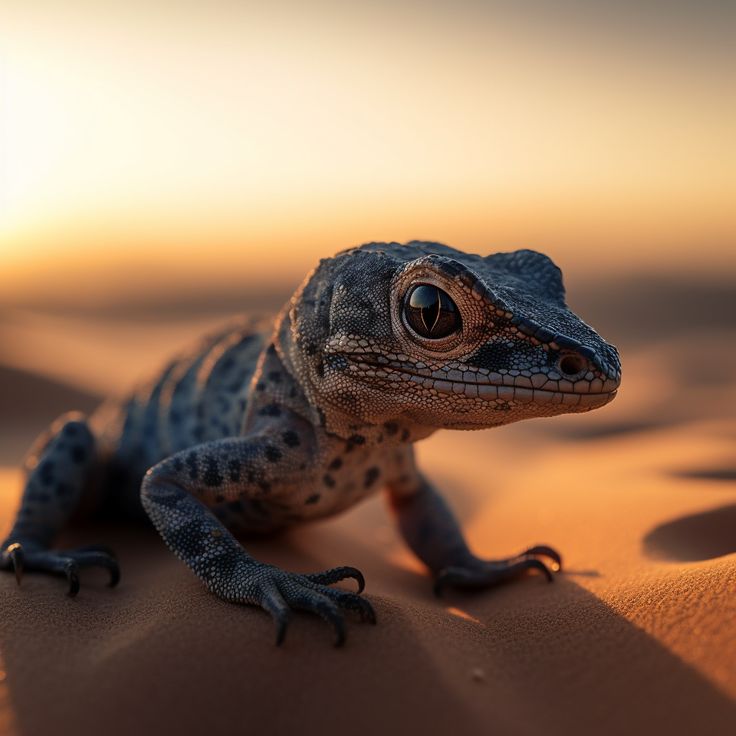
x=164 y=165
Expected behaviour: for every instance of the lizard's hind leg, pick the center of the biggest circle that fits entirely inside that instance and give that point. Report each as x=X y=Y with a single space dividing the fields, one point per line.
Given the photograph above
x=58 y=472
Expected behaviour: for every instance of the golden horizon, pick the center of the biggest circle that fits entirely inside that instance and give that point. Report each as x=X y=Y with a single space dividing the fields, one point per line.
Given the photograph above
x=247 y=142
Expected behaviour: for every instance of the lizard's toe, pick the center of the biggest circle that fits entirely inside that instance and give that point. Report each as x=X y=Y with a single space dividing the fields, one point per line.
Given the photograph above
x=540 y=550
x=89 y=557
x=23 y=558
x=102 y=548
x=336 y=574
x=273 y=602
x=488 y=574
x=305 y=599
x=279 y=591
x=350 y=602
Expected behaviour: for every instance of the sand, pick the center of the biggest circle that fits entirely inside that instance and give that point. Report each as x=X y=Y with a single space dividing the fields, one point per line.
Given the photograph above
x=637 y=636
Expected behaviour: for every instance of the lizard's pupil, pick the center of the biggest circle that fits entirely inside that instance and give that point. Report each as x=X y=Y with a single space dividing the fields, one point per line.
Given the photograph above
x=430 y=312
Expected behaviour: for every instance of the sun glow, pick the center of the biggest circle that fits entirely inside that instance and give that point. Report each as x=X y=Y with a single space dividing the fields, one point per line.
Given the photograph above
x=133 y=139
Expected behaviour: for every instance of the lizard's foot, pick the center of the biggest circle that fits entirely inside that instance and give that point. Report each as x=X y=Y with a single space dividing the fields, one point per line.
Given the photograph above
x=21 y=557
x=278 y=591
x=485 y=574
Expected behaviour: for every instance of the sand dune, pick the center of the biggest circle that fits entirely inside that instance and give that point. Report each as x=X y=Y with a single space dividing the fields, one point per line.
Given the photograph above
x=637 y=636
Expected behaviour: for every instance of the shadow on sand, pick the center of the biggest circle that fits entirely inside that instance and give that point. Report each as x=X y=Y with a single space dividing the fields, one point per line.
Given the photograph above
x=701 y=536
x=722 y=474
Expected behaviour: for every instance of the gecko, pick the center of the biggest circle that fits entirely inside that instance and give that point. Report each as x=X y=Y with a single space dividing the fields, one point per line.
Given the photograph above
x=267 y=425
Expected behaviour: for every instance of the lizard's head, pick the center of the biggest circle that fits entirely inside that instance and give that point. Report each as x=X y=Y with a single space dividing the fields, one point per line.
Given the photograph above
x=426 y=333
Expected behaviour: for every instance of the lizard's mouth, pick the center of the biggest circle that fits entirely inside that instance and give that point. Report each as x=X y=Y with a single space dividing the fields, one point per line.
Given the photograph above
x=582 y=394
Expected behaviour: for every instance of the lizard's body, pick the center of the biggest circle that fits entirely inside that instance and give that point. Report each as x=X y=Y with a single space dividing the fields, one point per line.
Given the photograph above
x=202 y=396
x=262 y=427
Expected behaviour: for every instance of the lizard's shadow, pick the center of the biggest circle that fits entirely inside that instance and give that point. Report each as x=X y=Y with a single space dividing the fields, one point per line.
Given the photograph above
x=560 y=644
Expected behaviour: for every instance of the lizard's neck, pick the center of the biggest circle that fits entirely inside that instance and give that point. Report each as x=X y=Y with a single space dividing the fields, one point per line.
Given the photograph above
x=334 y=420
x=396 y=430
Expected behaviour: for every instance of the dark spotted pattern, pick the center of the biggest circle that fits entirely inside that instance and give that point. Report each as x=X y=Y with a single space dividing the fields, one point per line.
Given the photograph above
x=290 y=438
x=212 y=476
x=355 y=440
x=371 y=476
x=233 y=470
x=273 y=454
x=46 y=472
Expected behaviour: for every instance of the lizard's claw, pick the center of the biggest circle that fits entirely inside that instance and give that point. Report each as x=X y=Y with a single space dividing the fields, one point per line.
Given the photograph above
x=58 y=562
x=541 y=550
x=485 y=574
x=71 y=570
x=336 y=574
x=278 y=592
x=15 y=553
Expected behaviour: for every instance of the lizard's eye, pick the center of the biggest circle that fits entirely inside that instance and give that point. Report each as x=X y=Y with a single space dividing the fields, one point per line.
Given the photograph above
x=430 y=312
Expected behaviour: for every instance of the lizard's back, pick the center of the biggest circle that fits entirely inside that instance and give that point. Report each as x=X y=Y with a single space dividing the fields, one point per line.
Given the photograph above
x=199 y=396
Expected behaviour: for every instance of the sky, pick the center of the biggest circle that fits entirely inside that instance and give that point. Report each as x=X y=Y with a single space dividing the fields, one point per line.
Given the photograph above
x=171 y=147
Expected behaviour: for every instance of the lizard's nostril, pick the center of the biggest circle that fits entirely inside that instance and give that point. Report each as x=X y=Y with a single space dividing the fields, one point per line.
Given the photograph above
x=571 y=365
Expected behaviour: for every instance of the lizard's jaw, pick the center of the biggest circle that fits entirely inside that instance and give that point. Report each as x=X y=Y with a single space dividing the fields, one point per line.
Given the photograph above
x=591 y=391
x=528 y=395
x=467 y=398
x=574 y=400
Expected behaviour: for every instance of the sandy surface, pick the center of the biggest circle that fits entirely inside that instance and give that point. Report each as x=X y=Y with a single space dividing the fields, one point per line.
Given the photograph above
x=637 y=636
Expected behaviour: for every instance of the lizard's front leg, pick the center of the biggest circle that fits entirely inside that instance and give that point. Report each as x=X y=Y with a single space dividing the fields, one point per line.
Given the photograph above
x=173 y=493
x=433 y=534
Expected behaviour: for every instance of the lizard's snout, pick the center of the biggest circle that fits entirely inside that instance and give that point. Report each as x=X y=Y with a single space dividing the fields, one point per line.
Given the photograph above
x=579 y=370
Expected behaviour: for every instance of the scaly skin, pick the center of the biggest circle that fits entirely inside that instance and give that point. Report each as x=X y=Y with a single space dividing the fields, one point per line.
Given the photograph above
x=262 y=428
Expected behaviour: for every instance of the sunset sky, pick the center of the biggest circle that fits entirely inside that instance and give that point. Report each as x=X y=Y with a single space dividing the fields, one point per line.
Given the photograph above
x=157 y=147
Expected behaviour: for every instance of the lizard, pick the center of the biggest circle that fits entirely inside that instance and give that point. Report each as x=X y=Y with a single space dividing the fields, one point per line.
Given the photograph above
x=264 y=426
